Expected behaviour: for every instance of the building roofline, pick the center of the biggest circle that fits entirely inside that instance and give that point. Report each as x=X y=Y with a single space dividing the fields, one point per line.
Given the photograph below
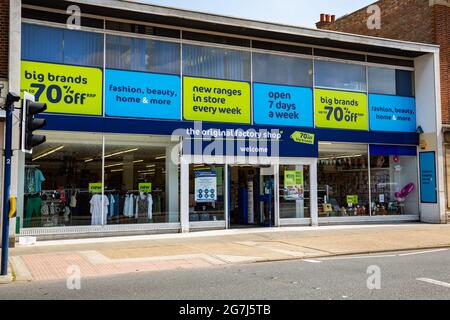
x=139 y=6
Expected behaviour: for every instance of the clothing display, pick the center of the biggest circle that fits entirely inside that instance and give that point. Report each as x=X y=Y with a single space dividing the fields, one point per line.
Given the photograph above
x=96 y=208
x=144 y=207
x=128 y=208
x=33 y=180
x=33 y=210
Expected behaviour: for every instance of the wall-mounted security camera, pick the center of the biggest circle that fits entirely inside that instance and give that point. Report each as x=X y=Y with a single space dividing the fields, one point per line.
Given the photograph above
x=419 y=130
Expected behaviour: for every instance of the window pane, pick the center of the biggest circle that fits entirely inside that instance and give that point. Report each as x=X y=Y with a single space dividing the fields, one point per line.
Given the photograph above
x=340 y=76
x=206 y=193
x=394 y=185
x=62 y=46
x=276 y=69
x=343 y=180
x=405 y=83
x=141 y=185
x=294 y=192
x=41 y=43
x=217 y=63
x=57 y=181
x=142 y=55
x=382 y=81
x=83 y=48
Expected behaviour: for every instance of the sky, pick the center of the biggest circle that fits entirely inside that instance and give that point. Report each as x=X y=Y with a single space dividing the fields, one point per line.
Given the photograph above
x=303 y=13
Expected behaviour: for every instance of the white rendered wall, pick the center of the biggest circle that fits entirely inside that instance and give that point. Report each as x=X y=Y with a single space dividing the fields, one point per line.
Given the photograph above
x=428 y=102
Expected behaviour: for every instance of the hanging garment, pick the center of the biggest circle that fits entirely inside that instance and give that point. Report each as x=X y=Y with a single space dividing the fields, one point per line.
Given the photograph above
x=96 y=209
x=111 y=211
x=33 y=180
x=128 y=208
x=143 y=208
x=32 y=211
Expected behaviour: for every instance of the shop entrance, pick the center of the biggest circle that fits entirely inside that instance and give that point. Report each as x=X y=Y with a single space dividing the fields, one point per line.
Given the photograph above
x=251 y=197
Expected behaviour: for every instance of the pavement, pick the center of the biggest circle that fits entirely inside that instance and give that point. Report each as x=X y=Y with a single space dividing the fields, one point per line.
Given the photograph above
x=401 y=275
x=105 y=257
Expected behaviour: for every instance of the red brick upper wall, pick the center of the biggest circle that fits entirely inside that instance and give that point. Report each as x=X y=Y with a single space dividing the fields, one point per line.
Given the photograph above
x=409 y=20
x=4 y=39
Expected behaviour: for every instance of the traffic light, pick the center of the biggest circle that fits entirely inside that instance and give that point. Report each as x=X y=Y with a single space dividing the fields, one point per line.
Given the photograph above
x=30 y=124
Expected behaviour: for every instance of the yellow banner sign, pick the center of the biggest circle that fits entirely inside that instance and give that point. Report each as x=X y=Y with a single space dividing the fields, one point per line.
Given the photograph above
x=65 y=89
x=145 y=187
x=303 y=137
x=95 y=187
x=341 y=110
x=216 y=100
x=352 y=199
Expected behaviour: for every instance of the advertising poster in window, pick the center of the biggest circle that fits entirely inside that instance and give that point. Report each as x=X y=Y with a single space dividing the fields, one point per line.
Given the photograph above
x=205 y=186
x=283 y=105
x=392 y=113
x=64 y=88
x=293 y=185
x=142 y=95
x=341 y=110
x=428 y=183
x=216 y=100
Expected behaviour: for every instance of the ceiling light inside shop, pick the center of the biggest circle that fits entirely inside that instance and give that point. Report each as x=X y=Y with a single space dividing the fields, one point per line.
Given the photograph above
x=151 y=166
x=114 y=165
x=88 y=160
x=117 y=170
x=48 y=152
x=342 y=157
x=160 y=157
x=147 y=171
x=138 y=161
x=121 y=152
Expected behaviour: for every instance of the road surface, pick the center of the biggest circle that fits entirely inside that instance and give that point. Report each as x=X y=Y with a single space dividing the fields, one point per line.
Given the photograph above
x=397 y=275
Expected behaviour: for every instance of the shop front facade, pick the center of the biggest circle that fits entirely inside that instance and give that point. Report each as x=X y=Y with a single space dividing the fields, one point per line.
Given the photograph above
x=156 y=127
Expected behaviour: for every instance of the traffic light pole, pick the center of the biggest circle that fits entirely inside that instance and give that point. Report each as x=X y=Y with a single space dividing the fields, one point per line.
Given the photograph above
x=9 y=109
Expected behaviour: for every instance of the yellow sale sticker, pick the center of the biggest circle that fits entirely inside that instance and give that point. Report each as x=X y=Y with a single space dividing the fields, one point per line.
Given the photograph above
x=145 y=187
x=95 y=187
x=65 y=89
x=341 y=110
x=216 y=100
x=352 y=199
x=303 y=137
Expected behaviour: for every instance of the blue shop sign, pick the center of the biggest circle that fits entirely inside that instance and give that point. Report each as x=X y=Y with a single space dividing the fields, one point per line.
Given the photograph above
x=428 y=183
x=282 y=105
x=392 y=113
x=142 y=95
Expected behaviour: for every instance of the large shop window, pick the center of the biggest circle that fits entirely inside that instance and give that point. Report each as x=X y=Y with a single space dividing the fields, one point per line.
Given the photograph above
x=294 y=192
x=216 y=63
x=141 y=180
x=206 y=193
x=63 y=46
x=278 y=69
x=345 y=76
x=64 y=181
x=142 y=55
x=58 y=180
x=393 y=180
x=343 y=180
x=391 y=82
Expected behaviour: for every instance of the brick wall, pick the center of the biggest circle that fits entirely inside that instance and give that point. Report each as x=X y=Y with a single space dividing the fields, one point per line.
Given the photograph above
x=409 y=20
x=4 y=39
x=397 y=19
x=442 y=37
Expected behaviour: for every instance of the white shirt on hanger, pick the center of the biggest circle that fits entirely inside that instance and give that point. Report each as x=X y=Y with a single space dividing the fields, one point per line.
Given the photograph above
x=96 y=209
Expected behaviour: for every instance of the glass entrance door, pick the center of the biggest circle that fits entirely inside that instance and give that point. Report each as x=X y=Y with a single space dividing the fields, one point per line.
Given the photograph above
x=267 y=197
